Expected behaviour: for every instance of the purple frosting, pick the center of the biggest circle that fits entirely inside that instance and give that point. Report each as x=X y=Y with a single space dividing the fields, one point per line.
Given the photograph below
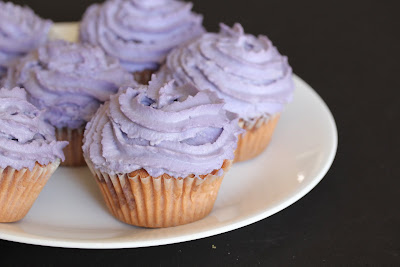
x=161 y=128
x=140 y=33
x=246 y=71
x=21 y=31
x=24 y=136
x=69 y=80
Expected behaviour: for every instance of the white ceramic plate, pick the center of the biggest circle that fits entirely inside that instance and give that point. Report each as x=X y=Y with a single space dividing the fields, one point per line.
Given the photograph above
x=70 y=211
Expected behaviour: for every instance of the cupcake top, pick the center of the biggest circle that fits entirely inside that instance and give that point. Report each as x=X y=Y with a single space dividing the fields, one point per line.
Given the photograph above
x=246 y=71
x=69 y=80
x=161 y=128
x=21 y=31
x=24 y=136
x=140 y=32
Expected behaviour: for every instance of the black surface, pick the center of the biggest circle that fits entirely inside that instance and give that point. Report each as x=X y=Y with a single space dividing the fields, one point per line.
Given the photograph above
x=348 y=51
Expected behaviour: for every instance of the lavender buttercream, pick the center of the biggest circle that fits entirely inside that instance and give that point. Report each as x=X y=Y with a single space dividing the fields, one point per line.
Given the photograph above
x=161 y=128
x=21 y=31
x=140 y=32
x=25 y=138
x=246 y=71
x=69 y=80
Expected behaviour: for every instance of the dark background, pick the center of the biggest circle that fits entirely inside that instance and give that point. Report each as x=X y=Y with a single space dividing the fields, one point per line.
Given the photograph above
x=348 y=51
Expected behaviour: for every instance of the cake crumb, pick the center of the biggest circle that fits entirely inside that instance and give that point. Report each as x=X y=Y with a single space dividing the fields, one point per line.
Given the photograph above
x=214 y=247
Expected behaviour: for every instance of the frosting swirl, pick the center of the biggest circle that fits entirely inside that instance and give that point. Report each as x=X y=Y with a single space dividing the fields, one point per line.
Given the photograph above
x=69 y=80
x=24 y=137
x=161 y=128
x=140 y=32
x=246 y=71
x=21 y=31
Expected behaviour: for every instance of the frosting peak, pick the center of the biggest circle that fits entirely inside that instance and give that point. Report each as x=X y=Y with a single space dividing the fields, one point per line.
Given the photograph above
x=24 y=137
x=150 y=4
x=236 y=31
x=164 y=94
x=69 y=80
x=244 y=46
x=140 y=32
x=162 y=128
x=246 y=71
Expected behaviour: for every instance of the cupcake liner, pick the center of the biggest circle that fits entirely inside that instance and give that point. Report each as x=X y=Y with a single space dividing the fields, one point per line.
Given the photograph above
x=144 y=76
x=142 y=200
x=73 y=151
x=19 y=189
x=256 y=138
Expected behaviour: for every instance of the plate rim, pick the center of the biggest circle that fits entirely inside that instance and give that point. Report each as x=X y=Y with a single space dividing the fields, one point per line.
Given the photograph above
x=92 y=244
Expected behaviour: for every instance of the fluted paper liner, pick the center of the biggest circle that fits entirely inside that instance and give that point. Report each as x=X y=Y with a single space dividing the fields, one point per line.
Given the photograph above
x=142 y=200
x=256 y=138
x=73 y=151
x=143 y=77
x=19 y=189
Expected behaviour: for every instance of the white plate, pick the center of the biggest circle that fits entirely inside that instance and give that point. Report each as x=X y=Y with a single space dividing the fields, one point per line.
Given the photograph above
x=70 y=211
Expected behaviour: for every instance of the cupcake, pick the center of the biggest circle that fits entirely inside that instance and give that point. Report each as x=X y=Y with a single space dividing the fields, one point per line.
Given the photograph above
x=21 y=31
x=159 y=152
x=69 y=81
x=140 y=33
x=29 y=154
x=247 y=72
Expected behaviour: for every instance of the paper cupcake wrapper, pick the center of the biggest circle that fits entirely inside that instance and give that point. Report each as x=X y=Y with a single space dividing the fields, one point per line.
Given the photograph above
x=19 y=189
x=73 y=151
x=256 y=138
x=143 y=77
x=142 y=200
